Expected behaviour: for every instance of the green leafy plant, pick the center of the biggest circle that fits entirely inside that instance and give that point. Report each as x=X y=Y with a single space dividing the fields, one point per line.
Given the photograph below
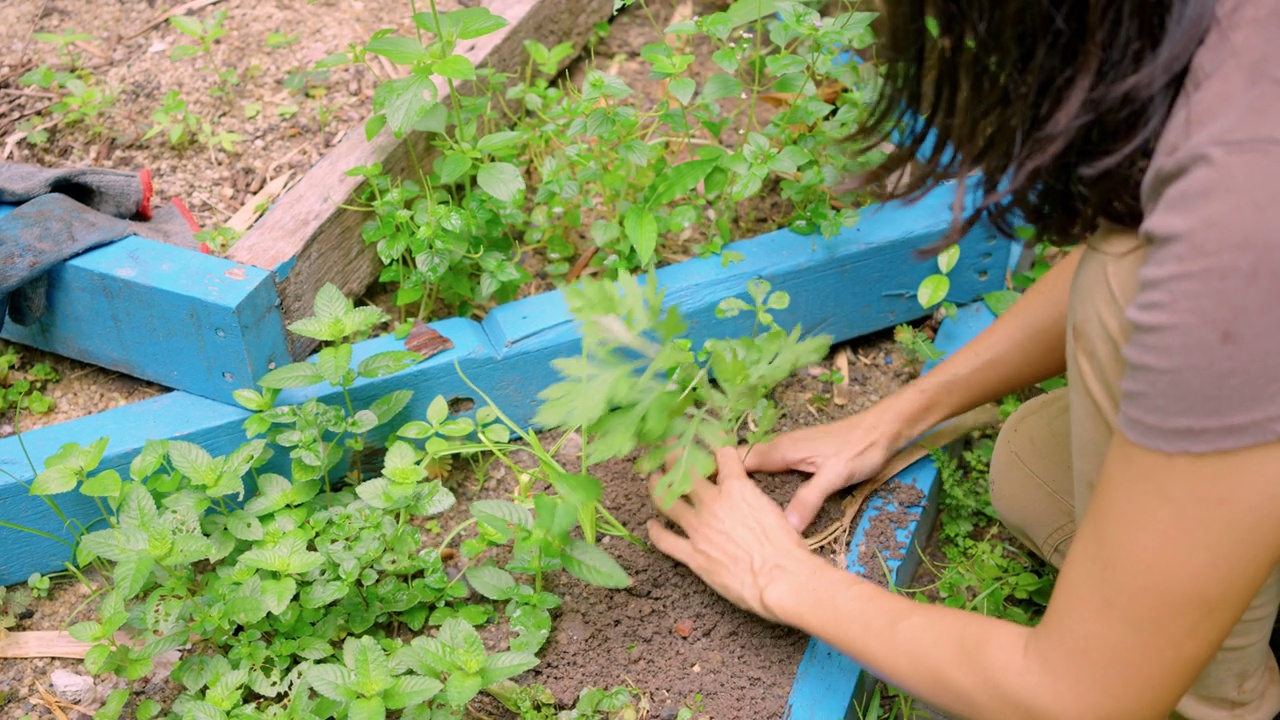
x=21 y=388
x=181 y=126
x=205 y=33
x=934 y=288
x=219 y=240
x=294 y=566
x=585 y=177
x=14 y=602
x=81 y=101
x=640 y=384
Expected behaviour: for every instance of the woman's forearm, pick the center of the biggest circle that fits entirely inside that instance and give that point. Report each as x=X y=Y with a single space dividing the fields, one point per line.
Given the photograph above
x=961 y=662
x=1025 y=345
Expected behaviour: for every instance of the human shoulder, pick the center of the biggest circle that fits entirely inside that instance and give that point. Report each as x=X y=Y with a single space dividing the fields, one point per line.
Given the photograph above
x=1204 y=349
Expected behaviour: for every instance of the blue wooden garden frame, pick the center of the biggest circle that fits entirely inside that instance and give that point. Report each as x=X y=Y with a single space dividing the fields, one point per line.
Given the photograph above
x=166 y=314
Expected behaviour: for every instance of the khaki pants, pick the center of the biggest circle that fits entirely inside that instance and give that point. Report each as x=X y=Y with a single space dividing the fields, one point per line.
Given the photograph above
x=1049 y=453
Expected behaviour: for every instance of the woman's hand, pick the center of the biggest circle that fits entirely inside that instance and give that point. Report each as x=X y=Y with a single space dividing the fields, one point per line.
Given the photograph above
x=837 y=455
x=737 y=540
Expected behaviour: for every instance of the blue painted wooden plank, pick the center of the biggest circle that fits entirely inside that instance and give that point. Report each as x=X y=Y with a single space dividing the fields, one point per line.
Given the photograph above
x=178 y=318
x=828 y=684
x=837 y=287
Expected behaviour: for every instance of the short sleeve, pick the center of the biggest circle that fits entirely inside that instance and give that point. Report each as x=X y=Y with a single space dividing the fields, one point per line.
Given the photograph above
x=1203 y=356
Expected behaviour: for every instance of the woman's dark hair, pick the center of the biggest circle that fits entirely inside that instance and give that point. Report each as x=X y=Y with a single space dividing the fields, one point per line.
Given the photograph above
x=1057 y=103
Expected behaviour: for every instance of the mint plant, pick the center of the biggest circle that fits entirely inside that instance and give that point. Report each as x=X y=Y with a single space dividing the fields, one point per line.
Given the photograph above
x=21 y=387
x=295 y=566
x=640 y=383
x=530 y=174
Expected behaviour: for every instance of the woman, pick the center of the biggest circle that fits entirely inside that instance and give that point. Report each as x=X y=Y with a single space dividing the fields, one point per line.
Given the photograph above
x=1149 y=130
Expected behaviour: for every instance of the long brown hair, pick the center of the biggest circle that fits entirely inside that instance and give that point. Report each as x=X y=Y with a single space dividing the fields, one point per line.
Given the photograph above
x=1057 y=103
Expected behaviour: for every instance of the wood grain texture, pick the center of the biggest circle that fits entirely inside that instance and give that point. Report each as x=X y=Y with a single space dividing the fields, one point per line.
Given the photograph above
x=829 y=684
x=184 y=320
x=859 y=282
x=307 y=239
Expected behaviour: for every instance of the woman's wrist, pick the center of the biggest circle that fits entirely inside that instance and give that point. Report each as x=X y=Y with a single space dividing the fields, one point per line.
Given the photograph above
x=790 y=597
x=907 y=414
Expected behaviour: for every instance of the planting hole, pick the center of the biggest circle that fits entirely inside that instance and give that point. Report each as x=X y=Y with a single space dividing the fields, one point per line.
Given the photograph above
x=460 y=405
x=982 y=274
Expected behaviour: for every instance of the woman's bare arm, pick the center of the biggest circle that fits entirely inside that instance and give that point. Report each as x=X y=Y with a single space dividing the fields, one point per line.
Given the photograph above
x=1170 y=554
x=1025 y=345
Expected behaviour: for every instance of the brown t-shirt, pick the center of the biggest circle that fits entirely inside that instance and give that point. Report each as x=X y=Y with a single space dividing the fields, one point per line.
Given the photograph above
x=1204 y=353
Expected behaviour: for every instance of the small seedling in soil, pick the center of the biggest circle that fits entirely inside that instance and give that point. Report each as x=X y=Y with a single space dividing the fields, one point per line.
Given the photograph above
x=640 y=384
x=21 y=389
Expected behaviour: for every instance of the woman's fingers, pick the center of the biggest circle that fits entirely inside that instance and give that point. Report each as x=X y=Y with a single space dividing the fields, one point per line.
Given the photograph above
x=769 y=457
x=669 y=543
x=680 y=511
x=812 y=493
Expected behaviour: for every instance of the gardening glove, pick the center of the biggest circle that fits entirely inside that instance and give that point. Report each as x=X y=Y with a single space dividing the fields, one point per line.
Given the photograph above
x=66 y=212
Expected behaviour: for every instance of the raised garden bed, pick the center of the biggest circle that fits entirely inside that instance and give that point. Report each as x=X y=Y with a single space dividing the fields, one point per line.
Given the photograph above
x=863 y=279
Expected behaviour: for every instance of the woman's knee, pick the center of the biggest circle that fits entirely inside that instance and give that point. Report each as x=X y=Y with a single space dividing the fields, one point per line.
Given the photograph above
x=1031 y=481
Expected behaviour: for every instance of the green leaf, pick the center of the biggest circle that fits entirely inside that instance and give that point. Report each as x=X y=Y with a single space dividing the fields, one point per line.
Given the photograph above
x=408 y=690
x=333 y=362
x=330 y=303
x=243 y=525
x=591 y=564
x=105 y=484
x=438 y=410
x=371 y=708
x=372 y=674
x=502 y=516
x=641 y=229
x=194 y=462
x=505 y=665
x=678 y=180
x=533 y=627
x=289 y=555
x=721 y=86
x=947 y=259
x=316 y=328
x=399 y=50
x=496 y=141
x=682 y=89
x=453 y=167
x=388 y=406
x=933 y=290
x=111 y=709
x=132 y=573
x=748 y=11
x=456 y=67
x=187 y=25
x=55 y=481
x=89 y=631
x=322 y=593
x=406 y=100
x=1000 y=300
x=116 y=544
x=491 y=581
x=294 y=375
x=501 y=180
x=278 y=594
x=464 y=24
x=331 y=681
x=461 y=688
x=387 y=363
x=250 y=399
x=150 y=459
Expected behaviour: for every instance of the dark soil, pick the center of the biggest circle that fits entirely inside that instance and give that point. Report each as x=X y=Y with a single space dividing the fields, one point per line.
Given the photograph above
x=902 y=506
x=732 y=665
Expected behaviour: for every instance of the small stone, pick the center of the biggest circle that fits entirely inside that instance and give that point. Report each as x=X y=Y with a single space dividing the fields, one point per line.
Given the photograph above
x=72 y=687
x=684 y=628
